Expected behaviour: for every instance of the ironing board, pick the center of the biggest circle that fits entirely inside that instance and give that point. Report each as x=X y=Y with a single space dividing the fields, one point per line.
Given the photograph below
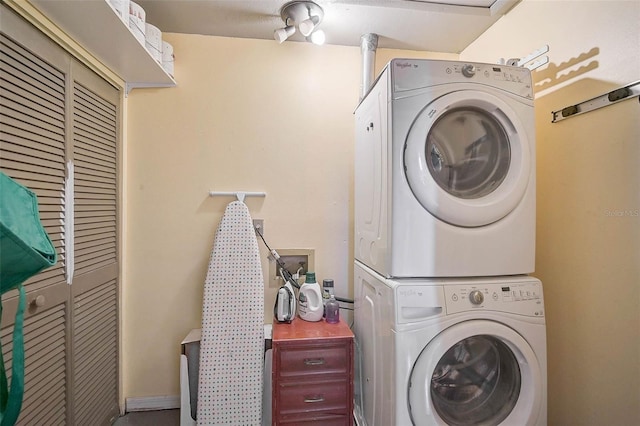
x=232 y=345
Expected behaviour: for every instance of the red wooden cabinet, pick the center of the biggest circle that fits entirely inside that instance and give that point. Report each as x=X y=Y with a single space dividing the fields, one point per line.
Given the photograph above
x=312 y=374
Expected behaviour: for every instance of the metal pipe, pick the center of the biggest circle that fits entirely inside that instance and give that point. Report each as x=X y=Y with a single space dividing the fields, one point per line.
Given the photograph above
x=368 y=46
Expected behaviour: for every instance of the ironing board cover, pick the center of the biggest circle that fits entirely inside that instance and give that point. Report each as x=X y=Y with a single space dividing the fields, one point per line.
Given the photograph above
x=232 y=345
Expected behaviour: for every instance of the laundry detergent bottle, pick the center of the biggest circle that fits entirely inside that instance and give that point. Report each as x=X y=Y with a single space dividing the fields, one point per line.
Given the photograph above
x=310 y=306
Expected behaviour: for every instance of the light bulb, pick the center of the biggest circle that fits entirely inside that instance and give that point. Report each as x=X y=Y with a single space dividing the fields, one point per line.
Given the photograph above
x=318 y=37
x=307 y=26
x=281 y=34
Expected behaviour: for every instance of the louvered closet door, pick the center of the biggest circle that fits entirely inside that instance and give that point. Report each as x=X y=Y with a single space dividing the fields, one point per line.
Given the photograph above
x=95 y=284
x=33 y=111
x=59 y=123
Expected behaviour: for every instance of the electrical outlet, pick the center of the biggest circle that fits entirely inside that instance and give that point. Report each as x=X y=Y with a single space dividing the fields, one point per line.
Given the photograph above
x=294 y=260
x=258 y=225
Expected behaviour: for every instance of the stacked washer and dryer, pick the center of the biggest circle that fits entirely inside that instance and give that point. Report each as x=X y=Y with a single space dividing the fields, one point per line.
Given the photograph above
x=450 y=329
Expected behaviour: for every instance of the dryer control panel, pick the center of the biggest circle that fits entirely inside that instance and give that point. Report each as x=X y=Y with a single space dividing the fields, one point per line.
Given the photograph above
x=522 y=298
x=412 y=74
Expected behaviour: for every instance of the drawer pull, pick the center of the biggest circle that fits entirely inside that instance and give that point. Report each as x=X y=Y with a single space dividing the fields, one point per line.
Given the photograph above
x=313 y=399
x=314 y=361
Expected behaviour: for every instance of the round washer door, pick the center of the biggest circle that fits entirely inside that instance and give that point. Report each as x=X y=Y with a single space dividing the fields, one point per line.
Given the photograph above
x=467 y=158
x=476 y=372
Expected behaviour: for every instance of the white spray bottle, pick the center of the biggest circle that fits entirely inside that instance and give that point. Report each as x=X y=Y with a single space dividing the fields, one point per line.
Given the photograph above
x=310 y=307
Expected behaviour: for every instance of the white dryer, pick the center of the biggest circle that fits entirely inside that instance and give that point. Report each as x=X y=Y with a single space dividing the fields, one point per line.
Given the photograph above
x=449 y=351
x=445 y=171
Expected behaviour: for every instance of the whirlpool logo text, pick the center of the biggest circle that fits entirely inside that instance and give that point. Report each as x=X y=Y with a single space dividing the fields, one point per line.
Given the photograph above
x=403 y=65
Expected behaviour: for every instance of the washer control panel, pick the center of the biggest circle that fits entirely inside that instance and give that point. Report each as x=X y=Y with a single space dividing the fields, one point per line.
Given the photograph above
x=523 y=298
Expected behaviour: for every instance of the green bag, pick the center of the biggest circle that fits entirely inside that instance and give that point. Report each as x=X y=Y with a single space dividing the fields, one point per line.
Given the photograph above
x=25 y=250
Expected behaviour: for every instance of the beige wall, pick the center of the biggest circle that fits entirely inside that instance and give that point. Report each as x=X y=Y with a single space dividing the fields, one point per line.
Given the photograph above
x=247 y=115
x=588 y=257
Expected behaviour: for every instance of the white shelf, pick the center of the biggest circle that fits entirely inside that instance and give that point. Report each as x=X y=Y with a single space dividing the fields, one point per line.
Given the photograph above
x=97 y=27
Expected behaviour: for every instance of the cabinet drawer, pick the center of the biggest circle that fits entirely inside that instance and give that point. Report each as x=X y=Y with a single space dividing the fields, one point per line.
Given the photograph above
x=303 y=360
x=318 y=419
x=306 y=397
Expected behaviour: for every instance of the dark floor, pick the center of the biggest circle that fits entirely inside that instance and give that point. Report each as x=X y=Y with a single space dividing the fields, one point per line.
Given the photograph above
x=150 y=418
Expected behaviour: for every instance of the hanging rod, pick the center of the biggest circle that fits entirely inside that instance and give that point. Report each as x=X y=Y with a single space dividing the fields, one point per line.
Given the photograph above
x=627 y=92
x=238 y=194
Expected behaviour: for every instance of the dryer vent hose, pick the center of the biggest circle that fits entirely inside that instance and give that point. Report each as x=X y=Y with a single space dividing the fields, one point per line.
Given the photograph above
x=368 y=46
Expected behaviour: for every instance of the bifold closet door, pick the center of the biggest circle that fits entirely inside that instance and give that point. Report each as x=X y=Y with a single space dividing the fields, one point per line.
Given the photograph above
x=33 y=111
x=59 y=137
x=94 y=291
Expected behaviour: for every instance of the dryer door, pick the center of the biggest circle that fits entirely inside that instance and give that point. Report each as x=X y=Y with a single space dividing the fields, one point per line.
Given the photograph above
x=467 y=158
x=476 y=372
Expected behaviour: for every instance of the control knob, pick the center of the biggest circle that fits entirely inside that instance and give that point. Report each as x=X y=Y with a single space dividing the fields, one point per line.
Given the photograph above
x=468 y=70
x=476 y=297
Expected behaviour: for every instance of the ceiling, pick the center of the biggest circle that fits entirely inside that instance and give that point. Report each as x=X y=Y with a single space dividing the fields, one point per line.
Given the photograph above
x=434 y=25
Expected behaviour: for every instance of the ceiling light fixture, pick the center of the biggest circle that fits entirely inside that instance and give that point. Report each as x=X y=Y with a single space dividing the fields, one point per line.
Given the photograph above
x=306 y=16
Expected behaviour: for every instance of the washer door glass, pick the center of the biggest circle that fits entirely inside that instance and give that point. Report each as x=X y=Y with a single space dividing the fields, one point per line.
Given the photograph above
x=477 y=381
x=468 y=152
x=467 y=157
x=477 y=372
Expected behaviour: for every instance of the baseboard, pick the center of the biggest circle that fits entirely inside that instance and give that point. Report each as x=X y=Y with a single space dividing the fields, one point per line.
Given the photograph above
x=149 y=403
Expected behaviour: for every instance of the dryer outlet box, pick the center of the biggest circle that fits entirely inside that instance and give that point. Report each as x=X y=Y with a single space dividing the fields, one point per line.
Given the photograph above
x=294 y=260
x=258 y=225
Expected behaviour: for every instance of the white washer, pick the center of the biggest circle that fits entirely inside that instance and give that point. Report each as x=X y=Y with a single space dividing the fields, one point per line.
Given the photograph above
x=449 y=351
x=445 y=171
